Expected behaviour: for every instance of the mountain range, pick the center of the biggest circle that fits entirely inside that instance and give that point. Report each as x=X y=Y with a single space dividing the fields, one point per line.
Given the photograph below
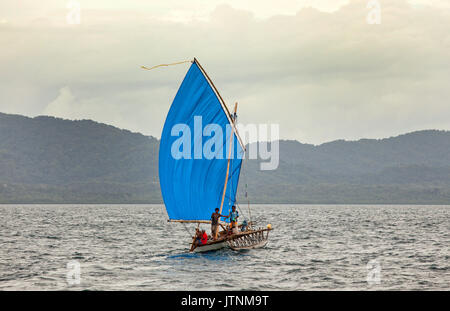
x=50 y=160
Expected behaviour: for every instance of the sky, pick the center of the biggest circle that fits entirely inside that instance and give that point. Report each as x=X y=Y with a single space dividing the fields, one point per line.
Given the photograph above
x=317 y=68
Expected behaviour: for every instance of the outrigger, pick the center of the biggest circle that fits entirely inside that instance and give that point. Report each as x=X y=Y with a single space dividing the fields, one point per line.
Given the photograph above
x=196 y=177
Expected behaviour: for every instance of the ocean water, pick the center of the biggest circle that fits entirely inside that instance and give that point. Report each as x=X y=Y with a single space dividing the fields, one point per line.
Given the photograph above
x=312 y=247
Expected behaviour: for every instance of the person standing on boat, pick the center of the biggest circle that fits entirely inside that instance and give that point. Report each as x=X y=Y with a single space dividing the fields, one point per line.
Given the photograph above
x=215 y=222
x=234 y=215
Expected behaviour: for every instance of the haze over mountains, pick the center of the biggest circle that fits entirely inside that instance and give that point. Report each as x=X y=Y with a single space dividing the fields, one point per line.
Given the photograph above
x=50 y=160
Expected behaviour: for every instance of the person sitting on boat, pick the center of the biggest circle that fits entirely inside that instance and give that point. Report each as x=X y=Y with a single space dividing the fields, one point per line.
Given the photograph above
x=204 y=237
x=230 y=230
x=244 y=226
x=215 y=222
x=234 y=215
x=198 y=237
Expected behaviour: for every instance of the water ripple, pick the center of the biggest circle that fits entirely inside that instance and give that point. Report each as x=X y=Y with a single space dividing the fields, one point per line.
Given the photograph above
x=132 y=247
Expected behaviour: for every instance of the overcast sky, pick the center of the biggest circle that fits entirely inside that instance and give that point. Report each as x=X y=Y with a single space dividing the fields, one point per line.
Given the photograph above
x=315 y=67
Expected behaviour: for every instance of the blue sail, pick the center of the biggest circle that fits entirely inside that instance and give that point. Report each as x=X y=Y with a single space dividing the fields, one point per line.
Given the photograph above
x=191 y=180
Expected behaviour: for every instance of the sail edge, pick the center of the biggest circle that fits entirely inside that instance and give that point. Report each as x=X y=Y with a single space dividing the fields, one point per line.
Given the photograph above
x=222 y=103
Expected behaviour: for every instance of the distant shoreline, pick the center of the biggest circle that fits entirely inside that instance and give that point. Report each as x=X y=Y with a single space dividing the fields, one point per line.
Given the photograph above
x=244 y=205
x=47 y=160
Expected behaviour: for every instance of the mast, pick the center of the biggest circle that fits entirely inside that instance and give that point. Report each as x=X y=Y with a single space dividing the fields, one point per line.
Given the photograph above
x=228 y=167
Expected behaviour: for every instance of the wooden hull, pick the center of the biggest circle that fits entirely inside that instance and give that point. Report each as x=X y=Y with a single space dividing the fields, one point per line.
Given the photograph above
x=212 y=246
x=240 y=241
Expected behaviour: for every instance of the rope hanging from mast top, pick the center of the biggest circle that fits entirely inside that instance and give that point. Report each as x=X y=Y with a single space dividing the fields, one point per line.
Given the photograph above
x=162 y=65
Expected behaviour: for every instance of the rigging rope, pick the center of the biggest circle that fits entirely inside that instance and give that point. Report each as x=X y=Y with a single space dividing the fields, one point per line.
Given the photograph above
x=178 y=63
x=234 y=119
x=245 y=177
x=186 y=227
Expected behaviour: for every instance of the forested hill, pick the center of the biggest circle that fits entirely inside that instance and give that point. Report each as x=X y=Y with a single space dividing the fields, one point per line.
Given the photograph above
x=46 y=159
x=410 y=168
x=50 y=160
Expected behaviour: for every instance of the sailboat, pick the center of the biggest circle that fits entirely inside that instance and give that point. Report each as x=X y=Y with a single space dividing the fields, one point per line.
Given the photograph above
x=198 y=176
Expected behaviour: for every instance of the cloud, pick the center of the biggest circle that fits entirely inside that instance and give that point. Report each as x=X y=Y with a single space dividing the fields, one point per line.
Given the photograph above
x=63 y=105
x=321 y=74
